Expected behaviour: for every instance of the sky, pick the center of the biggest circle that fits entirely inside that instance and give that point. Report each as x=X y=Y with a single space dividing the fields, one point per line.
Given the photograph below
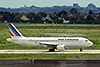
x=46 y=3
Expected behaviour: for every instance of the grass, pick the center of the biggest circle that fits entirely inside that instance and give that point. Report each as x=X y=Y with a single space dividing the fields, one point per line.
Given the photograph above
x=92 y=32
x=46 y=56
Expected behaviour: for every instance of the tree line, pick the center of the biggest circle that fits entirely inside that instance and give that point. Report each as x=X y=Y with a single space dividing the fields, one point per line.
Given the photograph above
x=73 y=16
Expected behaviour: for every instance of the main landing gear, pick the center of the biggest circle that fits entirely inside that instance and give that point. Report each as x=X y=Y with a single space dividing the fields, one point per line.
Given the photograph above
x=80 y=49
x=51 y=50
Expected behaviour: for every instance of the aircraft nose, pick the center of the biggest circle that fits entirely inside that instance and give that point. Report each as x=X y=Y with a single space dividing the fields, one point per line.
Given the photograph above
x=91 y=43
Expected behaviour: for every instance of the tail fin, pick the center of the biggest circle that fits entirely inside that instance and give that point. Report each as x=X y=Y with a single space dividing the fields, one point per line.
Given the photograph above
x=13 y=31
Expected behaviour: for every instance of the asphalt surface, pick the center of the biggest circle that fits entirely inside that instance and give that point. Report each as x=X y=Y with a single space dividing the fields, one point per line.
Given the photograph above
x=77 y=62
x=47 y=52
x=51 y=63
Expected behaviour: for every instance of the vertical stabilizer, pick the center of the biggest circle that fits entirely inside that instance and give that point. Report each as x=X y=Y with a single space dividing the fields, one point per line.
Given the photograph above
x=13 y=31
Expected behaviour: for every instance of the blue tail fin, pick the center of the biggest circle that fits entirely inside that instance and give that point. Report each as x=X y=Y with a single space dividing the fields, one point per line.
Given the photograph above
x=13 y=31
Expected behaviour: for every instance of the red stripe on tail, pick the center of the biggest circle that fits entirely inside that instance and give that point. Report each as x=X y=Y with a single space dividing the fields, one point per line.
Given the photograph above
x=11 y=34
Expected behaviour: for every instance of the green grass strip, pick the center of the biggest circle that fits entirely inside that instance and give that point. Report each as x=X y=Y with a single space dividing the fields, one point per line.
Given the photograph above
x=47 y=56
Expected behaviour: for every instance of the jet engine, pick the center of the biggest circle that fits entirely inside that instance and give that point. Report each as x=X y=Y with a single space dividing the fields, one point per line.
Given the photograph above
x=62 y=47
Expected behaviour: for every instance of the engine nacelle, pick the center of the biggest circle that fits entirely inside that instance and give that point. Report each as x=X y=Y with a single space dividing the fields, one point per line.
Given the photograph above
x=62 y=47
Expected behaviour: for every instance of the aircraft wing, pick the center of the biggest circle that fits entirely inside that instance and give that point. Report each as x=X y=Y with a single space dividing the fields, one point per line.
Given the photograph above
x=49 y=43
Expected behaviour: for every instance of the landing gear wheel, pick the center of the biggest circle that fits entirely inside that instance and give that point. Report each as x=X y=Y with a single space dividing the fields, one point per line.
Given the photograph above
x=51 y=50
x=81 y=49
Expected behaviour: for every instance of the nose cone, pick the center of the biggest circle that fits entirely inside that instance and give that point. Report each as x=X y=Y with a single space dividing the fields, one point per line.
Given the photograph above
x=90 y=43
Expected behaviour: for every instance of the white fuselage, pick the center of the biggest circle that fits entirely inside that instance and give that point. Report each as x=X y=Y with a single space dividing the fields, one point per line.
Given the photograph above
x=67 y=41
x=60 y=43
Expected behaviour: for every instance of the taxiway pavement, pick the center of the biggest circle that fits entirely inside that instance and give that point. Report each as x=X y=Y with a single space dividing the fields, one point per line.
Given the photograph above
x=47 y=52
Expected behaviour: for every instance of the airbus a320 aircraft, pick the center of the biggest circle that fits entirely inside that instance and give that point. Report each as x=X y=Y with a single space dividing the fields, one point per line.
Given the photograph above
x=60 y=43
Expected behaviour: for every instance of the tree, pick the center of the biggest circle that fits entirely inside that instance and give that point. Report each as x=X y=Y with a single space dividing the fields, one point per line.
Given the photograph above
x=30 y=15
x=73 y=18
x=89 y=18
x=1 y=12
x=42 y=14
x=90 y=12
x=6 y=17
x=62 y=13
x=73 y=11
x=81 y=18
x=12 y=16
x=37 y=17
x=16 y=13
x=66 y=18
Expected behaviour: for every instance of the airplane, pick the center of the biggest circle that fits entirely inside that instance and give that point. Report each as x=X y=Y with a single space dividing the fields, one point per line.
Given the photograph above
x=59 y=43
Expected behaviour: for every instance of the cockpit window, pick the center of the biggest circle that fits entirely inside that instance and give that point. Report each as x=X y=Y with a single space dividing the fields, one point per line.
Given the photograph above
x=86 y=40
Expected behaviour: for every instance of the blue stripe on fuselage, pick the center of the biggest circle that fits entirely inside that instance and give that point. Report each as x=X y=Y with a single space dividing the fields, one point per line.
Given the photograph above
x=14 y=30
x=69 y=39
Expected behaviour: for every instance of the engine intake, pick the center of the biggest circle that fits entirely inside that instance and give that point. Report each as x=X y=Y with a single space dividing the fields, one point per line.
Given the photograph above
x=62 y=47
